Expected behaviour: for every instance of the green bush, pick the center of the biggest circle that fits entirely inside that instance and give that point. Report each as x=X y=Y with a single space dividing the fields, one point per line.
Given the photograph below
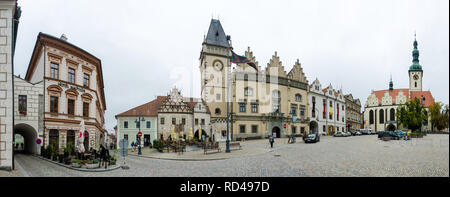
x=158 y=144
x=95 y=161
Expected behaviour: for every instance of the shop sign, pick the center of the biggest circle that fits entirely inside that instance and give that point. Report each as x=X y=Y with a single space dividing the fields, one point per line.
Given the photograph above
x=62 y=127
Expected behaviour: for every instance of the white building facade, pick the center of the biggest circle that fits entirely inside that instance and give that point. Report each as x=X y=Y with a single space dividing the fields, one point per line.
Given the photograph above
x=327 y=109
x=9 y=20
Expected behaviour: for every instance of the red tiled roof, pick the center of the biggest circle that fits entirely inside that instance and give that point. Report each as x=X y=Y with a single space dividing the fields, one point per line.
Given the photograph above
x=151 y=108
x=414 y=94
x=147 y=109
x=426 y=94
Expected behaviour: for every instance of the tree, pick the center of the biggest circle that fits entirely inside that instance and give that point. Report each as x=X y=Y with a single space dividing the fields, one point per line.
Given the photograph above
x=435 y=114
x=443 y=119
x=412 y=115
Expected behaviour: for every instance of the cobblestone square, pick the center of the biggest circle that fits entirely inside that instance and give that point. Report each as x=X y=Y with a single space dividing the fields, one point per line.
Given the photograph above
x=357 y=156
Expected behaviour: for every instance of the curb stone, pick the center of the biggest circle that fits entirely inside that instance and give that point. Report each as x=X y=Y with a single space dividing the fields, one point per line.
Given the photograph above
x=79 y=169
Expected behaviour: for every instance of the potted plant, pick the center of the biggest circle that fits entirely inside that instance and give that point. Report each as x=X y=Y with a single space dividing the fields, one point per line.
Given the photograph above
x=113 y=160
x=92 y=164
x=61 y=158
x=76 y=163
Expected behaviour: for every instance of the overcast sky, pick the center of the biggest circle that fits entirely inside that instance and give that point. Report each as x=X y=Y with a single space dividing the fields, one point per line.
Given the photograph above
x=147 y=47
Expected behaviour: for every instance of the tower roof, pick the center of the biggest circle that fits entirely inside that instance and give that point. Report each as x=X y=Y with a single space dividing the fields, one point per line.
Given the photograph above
x=216 y=35
x=415 y=54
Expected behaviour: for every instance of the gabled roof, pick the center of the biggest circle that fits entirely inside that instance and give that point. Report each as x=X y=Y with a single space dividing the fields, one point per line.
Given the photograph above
x=216 y=35
x=147 y=109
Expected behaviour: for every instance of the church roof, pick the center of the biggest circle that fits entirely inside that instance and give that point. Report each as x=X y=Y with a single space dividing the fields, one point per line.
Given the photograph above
x=414 y=94
x=216 y=35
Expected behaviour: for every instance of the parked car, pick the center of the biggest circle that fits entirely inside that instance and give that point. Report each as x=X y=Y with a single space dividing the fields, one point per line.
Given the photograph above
x=347 y=134
x=313 y=138
x=381 y=133
x=339 y=134
x=364 y=131
x=394 y=135
x=400 y=133
x=357 y=133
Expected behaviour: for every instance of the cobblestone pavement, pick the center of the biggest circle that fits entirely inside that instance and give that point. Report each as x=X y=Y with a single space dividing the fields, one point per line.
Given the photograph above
x=347 y=156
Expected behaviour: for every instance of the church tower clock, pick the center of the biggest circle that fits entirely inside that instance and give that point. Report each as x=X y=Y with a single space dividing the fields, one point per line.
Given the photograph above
x=415 y=71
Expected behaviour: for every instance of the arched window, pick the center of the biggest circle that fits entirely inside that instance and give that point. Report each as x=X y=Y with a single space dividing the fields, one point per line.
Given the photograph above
x=371 y=117
x=381 y=116
x=392 y=112
x=415 y=84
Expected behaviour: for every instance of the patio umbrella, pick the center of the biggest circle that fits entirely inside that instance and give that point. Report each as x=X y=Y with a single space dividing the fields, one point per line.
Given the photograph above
x=199 y=132
x=81 y=138
x=191 y=135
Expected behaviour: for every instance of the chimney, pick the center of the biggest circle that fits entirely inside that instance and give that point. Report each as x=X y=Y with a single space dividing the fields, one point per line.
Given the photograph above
x=63 y=37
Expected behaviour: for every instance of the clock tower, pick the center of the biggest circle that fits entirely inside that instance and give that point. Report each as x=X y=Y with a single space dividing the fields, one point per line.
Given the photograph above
x=213 y=68
x=415 y=71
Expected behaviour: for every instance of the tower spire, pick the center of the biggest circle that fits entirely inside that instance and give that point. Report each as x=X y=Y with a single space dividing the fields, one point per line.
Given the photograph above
x=391 y=84
x=415 y=54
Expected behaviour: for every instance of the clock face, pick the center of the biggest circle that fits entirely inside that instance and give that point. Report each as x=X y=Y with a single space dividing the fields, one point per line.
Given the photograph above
x=218 y=65
x=416 y=77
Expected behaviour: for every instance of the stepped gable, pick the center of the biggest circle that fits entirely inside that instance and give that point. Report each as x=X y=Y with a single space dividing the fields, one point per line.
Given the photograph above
x=147 y=109
x=275 y=68
x=174 y=103
x=297 y=73
x=246 y=67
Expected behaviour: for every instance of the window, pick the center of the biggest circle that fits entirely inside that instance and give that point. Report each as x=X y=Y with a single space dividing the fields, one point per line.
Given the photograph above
x=337 y=128
x=276 y=99
x=254 y=128
x=199 y=106
x=54 y=71
x=22 y=103
x=323 y=128
x=71 y=75
x=294 y=129
x=298 y=98
x=302 y=111
x=138 y=124
x=86 y=109
x=71 y=106
x=196 y=121
x=125 y=137
x=371 y=117
x=254 y=108
x=293 y=110
x=183 y=121
x=302 y=129
x=203 y=121
x=248 y=91
x=224 y=133
x=86 y=80
x=125 y=125
x=174 y=121
x=217 y=111
x=149 y=124
x=54 y=104
x=317 y=87
x=381 y=116
x=392 y=112
x=242 y=107
x=218 y=97
x=242 y=128
x=162 y=120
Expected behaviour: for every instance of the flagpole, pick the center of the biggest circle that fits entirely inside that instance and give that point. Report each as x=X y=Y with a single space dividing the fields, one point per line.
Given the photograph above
x=227 y=150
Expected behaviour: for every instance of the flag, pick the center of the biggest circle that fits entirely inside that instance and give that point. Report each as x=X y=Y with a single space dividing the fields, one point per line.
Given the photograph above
x=242 y=60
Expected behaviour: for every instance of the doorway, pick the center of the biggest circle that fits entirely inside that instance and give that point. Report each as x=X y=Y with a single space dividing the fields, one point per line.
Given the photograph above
x=276 y=132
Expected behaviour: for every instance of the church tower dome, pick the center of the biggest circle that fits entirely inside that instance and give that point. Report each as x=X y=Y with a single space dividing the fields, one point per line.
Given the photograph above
x=415 y=70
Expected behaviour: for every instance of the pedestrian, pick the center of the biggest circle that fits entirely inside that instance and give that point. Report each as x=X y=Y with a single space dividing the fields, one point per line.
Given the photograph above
x=132 y=146
x=271 y=141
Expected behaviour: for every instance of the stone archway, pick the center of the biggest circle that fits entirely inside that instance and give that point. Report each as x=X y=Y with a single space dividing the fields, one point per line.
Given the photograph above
x=276 y=130
x=29 y=135
x=314 y=127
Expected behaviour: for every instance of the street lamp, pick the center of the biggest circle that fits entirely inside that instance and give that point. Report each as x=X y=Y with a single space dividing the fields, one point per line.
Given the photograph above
x=138 y=139
x=227 y=150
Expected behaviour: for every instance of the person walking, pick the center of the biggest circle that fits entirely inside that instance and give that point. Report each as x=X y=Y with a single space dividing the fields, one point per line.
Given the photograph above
x=132 y=146
x=271 y=141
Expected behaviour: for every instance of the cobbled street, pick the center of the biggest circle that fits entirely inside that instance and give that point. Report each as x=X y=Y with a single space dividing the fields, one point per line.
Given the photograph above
x=361 y=156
